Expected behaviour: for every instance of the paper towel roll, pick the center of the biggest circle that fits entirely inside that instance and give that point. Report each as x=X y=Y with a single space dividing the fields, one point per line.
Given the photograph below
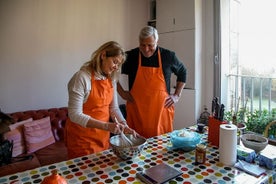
x=228 y=144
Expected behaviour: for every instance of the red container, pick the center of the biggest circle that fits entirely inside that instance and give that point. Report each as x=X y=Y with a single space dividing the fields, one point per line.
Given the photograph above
x=213 y=130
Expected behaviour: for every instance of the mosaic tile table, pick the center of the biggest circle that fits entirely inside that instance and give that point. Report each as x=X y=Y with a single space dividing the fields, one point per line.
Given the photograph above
x=105 y=167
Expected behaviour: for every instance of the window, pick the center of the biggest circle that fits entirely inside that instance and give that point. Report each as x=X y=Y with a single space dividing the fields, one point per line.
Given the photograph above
x=247 y=43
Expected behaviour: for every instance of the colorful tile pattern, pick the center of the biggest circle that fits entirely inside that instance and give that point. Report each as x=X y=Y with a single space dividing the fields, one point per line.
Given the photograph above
x=105 y=167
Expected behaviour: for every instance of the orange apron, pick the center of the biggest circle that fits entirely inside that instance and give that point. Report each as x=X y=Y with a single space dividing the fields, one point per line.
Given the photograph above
x=82 y=141
x=147 y=115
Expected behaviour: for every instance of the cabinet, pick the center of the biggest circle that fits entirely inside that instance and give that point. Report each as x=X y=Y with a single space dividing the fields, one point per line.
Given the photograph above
x=175 y=22
x=182 y=43
x=185 y=110
x=174 y=15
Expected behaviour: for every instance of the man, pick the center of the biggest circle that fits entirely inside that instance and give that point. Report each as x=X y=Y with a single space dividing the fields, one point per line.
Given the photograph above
x=150 y=106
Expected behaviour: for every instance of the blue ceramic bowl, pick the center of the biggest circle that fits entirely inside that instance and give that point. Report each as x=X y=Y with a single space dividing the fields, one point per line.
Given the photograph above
x=184 y=140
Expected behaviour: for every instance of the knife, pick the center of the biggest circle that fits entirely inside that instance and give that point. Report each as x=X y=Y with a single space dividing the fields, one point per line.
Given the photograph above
x=217 y=108
x=221 y=112
x=214 y=103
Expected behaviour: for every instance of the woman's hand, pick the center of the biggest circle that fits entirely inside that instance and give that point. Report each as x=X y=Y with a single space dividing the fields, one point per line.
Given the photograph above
x=128 y=130
x=115 y=128
x=124 y=127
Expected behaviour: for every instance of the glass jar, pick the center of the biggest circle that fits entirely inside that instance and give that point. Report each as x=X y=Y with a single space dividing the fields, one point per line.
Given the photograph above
x=200 y=154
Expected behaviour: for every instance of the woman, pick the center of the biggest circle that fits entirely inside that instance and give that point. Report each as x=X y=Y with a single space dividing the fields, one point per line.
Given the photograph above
x=93 y=100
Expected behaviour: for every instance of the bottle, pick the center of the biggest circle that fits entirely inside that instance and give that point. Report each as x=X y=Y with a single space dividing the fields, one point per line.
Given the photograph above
x=200 y=154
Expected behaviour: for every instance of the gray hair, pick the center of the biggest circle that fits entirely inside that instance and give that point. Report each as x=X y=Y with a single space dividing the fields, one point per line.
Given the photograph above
x=147 y=32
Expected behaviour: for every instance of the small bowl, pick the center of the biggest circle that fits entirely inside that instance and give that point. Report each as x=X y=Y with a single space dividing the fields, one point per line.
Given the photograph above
x=200 y=127
x=127 y=152
x=255 y=142
x=241 y=127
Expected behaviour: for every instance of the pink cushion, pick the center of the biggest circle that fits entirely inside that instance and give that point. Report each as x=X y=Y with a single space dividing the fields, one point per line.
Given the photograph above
x=18 y=141
x=20 y=124
x=38 y=134
x=16 y=135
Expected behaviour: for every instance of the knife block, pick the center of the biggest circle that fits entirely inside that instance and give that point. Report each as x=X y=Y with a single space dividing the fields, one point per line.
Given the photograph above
x=213 y=130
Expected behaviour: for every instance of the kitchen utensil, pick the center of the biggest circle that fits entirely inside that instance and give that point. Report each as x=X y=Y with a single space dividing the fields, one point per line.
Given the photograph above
x=221 y=112
x=124 y=141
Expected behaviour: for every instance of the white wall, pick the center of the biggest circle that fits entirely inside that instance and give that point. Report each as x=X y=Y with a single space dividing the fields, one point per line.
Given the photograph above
x=207 y=75
x=42 y=43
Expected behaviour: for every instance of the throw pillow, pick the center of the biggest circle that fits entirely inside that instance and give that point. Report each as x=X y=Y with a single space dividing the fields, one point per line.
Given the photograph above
x=20 y=124
x=16 y=135
x=38 y=134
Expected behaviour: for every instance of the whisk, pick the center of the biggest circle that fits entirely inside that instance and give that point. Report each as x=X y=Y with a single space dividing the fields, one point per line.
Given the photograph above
x=124 y=140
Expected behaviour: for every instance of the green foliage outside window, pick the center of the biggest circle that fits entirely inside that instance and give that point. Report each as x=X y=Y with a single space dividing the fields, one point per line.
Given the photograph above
x=255 y=121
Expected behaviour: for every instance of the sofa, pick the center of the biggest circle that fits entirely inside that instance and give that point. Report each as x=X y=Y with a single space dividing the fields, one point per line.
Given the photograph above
x=36 y=155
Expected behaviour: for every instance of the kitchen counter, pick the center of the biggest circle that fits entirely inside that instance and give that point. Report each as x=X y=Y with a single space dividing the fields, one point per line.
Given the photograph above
x=105 y=167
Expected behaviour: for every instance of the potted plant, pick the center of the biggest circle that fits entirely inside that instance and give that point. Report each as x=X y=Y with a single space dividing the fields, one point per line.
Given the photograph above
x=255 y=121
